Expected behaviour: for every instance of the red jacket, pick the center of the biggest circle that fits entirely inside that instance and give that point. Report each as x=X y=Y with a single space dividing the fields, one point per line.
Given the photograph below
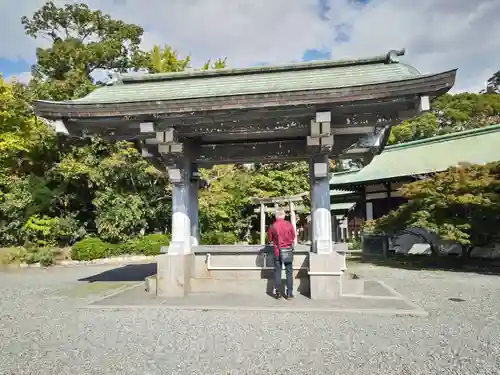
x=286 y=235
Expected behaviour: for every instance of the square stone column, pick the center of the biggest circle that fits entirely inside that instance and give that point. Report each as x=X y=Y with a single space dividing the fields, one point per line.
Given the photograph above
x=193 y=205
x=174 y=269
x=321 y=219
x=179 y=174
x=327 y=259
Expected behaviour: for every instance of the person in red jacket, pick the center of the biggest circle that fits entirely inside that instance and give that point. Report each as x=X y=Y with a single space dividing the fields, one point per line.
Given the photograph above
x=282 y=235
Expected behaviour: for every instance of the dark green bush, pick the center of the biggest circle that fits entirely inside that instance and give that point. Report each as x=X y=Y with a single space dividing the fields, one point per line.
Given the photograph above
x=149 y=244
x=92 y=248
x=218 y=238
x=355 y=244
x=43 y=255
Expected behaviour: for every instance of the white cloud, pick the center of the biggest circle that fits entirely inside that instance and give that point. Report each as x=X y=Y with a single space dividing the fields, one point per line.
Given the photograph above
x=247 y=32
x=23 y=77
x=438 y=34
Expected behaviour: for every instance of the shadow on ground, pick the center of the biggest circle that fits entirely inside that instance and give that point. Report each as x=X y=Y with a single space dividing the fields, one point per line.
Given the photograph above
x=442 y=263
x=131 y=272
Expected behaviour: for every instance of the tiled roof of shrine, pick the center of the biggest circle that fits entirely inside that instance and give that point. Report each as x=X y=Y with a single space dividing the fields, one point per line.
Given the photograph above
x=199 y=84
x=477 y=146
x=272 y=79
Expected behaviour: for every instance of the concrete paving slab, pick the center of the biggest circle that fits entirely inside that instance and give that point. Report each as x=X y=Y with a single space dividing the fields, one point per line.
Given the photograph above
x=135 y=298
x=375 y=288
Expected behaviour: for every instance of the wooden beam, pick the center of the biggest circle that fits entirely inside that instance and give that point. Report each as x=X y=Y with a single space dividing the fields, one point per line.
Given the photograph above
x=286 y=209
x=261 y=152
x=283 y=199
x=345 y=120
x=243 y=127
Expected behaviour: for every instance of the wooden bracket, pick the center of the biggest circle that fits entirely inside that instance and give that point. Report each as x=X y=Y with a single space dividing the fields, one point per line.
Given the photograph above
x=147 y=127
x=168 y=142
x=320 y=170
x=175 y=175
x=174 y=148
x=320 y=133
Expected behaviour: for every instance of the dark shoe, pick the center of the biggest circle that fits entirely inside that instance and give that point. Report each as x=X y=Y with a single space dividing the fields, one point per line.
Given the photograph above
x=290 y=297
x=277 y=295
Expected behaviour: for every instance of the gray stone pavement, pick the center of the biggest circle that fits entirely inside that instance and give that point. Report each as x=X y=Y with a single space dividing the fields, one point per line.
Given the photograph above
x=376 y=298
x=45 y=330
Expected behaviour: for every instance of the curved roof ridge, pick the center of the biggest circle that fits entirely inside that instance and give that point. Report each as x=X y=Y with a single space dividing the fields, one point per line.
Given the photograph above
x=388 y=58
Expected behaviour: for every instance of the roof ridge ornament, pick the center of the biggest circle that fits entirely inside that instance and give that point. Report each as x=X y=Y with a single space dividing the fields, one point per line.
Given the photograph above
x=392 y=56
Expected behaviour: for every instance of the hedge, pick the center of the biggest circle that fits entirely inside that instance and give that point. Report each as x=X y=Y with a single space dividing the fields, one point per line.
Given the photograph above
x=94 y=248
x=218 y=238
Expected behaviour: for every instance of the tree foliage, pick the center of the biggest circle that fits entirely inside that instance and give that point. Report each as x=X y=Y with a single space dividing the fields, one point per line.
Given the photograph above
x=83 y=41
x=493 y=84
x=165 y=60
x=450 y=113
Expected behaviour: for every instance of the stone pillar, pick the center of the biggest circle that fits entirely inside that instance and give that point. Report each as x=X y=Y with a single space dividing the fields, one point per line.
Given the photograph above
x=193 y=205
x=293 y=220
x=326 y=261
x=320 y=205
x=181 y=224
x=174 y=269
x=262 y=224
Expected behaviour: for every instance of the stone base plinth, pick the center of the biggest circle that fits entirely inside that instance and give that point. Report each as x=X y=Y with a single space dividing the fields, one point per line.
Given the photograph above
x=174 y=274
x=248 y=270
x=326 y=275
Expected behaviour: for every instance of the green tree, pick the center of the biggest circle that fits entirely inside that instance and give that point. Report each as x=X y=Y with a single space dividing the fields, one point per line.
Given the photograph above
x=116 y=193
x=493 y=83
x=83 y=41
x=23 y=138
x=450 y=113
x=217 y=64
x=165 y=60
x=26 y=153
x=225 y=205
x=424 y=126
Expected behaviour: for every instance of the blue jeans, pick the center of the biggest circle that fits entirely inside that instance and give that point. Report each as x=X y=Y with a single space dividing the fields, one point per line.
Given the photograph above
x=277 y=276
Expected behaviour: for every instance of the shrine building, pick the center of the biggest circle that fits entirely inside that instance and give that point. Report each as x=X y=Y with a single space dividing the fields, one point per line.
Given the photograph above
x=313 y=111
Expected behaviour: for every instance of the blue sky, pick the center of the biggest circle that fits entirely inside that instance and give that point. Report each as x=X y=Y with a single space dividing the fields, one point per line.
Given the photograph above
x=12 y=67
x=15 y=67
x=438 y=34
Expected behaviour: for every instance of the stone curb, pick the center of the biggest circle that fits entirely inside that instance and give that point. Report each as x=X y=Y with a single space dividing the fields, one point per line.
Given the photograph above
x=292 y=309
x=105 y=261
x=95 y=262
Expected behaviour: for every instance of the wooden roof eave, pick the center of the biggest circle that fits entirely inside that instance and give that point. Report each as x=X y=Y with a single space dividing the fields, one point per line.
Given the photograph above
x=348 y=186
x=430 y=85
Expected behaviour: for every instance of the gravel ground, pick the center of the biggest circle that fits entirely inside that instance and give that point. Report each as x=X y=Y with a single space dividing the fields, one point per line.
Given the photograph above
x=43 y=332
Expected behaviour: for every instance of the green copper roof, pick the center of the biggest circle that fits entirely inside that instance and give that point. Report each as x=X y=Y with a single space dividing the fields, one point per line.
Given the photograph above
x=478 y=146
x=262 y=80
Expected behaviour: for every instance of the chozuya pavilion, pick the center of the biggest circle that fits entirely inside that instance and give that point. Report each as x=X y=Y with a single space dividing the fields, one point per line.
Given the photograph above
x=307 y=111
